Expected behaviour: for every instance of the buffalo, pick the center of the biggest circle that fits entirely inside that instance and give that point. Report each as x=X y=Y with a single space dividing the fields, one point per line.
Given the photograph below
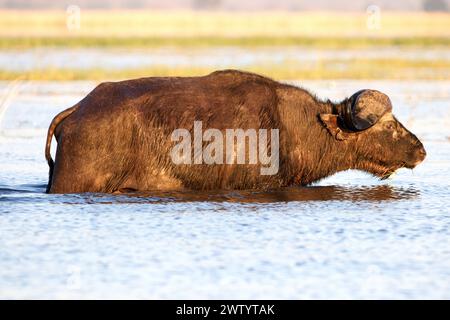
x=120 y=137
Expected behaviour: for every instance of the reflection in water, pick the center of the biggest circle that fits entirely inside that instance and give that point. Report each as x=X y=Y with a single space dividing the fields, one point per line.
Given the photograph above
x=313 y=193
x=24 y=193
x=316 y=193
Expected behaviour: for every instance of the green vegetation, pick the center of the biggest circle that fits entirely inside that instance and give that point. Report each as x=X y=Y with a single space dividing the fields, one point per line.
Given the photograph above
x=332 y=69
x=182 y=31
x=210 y=41
x=27 y=29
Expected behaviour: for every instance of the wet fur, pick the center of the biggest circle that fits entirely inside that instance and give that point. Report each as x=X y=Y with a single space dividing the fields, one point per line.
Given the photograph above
x=117 y=139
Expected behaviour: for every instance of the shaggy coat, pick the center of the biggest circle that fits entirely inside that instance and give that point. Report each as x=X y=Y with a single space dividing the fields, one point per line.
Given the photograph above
x=118 y=138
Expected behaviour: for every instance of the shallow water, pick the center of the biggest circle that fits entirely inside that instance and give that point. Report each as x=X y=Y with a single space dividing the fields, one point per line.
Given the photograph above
x=349 y=236
x=222 y=57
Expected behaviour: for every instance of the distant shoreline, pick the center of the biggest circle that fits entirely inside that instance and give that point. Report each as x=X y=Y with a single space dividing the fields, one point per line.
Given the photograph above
x=382 y=69
x=182 y=30
x=27 y=42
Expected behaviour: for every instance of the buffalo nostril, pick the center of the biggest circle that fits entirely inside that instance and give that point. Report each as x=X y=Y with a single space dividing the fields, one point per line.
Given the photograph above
x=419 y=156
x=422 y=152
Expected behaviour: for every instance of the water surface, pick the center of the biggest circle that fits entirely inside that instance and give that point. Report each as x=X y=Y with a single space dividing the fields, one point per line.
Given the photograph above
x=349 y=236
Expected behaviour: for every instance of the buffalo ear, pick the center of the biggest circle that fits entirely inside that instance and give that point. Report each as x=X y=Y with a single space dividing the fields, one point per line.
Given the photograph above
x=331 y=123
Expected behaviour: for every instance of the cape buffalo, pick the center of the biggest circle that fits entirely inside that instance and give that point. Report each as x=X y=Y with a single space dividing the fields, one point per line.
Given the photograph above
x=119 y=138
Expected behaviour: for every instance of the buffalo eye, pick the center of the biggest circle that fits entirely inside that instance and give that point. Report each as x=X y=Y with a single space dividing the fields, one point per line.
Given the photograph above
x=389 y=126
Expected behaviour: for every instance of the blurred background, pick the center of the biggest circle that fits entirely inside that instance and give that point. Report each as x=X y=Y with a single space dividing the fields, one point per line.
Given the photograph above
x=348 y=236
x=285 y=39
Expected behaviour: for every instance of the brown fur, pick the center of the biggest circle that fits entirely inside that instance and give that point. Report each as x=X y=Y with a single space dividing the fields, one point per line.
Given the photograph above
x=117 y=138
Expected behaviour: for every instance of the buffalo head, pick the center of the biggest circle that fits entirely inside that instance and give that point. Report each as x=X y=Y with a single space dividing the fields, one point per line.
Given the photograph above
x=377 y=142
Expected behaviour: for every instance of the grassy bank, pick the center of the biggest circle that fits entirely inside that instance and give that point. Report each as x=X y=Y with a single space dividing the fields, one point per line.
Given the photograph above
x=183 y=31
x=27 y=29
x=331 y=69
x=211 y=41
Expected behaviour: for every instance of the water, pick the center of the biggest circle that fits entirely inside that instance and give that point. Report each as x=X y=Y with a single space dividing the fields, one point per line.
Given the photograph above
x=349 y=236
x=222 y=57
